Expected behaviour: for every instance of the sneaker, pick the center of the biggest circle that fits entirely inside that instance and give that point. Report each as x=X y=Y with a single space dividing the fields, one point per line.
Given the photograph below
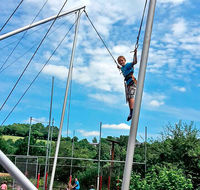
x=129 y=117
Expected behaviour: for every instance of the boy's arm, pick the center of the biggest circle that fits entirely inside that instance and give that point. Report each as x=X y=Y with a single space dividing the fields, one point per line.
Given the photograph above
x=135 y=57
x=135 y=80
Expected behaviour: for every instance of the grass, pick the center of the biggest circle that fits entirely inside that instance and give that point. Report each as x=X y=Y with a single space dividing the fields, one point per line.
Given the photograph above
x=15 y=138
x=4 y=174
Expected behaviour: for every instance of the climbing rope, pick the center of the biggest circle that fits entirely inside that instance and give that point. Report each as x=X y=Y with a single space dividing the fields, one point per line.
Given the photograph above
x=141 y=22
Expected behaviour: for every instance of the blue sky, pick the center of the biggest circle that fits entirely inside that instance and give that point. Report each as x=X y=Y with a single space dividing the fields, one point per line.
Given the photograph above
x=172 y=83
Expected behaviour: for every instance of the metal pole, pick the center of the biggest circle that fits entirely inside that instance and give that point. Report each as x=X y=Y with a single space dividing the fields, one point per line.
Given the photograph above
x=15 y=172
x=47 y=148
x=36 y=169
x=65 y=102
x=72 y=157
x=14 y=178
x=29 y=137
x=111 y=163
x=51 y=138
x=28 y=148
x=99 y=158
x=38 y=23
x=49 y=154
x=139 y=92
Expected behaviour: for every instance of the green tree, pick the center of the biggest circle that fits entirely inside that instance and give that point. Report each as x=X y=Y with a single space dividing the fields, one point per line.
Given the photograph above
x=161 y=178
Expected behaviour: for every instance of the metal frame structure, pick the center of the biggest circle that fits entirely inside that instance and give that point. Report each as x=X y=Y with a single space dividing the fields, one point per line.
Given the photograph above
x=15 y=172
x=4 y=160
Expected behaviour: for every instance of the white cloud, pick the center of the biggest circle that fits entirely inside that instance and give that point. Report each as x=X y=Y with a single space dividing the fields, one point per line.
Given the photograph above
x=100 y=74
x=179 y=27
x=53 y=58
x=172 y=1
x=115 y=126
x=107 y=98
x=57 y=71
x=180 y=113
x=88 y=133
x=34 y=120
x=173 y=53
x=152 y=101
x=155 y=103
x=65 y=132
x=180 y=89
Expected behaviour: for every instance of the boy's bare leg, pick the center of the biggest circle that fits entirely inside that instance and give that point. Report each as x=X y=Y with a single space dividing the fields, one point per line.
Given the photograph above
x=131 y=105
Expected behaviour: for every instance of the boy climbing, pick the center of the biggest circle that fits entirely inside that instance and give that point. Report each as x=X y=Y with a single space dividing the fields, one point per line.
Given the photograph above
x=130 y=81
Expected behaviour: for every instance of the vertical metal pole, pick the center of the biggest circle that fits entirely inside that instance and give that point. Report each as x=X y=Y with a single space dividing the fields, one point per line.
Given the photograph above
x=111 y=164
x=28 y=148
x=15 y=172
x=145 y=150
x=64 y=103
x=72 y=157
x=51 y=138
x=47 y=148
x=70 y=93
x=36 y=169
x=29 y=137
x=14 y=178
x=50 y=144
x=139 y=92
x=99 y=157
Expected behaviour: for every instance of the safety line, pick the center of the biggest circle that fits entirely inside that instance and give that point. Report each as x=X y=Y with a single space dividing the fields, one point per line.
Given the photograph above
x=101 y=38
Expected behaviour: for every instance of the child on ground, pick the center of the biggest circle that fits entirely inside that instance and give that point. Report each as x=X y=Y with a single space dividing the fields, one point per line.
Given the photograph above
x=4 y=185
x=77 y=184
x=130 y=81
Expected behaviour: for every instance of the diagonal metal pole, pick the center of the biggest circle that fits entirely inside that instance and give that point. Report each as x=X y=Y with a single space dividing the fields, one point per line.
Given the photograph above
x=65 y=102
x=138 y=99
x=38 y=23
x=15 y=172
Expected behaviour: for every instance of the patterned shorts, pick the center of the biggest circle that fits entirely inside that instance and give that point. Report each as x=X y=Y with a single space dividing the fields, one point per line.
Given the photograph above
x=131 y=91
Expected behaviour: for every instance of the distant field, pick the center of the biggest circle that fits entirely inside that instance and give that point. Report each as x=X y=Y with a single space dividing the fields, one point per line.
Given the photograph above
x=14 y=138
x=4 y=174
